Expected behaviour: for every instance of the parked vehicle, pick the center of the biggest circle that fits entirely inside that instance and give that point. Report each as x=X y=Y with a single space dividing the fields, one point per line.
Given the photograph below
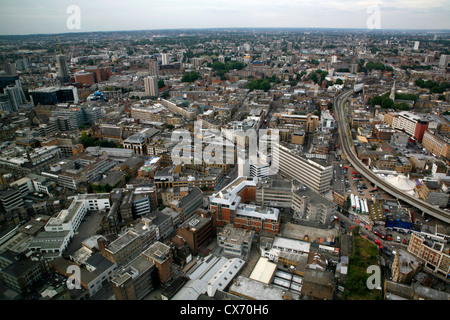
x=399 y=239
x=379 y=234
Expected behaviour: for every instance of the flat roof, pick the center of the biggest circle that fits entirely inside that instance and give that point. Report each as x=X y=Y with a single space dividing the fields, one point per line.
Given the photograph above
x=255 y=289
x=263 y=271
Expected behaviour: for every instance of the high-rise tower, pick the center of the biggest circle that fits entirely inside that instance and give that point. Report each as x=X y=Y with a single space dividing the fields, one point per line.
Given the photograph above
x=63 y=71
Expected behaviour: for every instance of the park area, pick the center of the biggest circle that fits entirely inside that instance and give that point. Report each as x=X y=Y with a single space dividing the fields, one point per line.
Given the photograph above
x=364 y=254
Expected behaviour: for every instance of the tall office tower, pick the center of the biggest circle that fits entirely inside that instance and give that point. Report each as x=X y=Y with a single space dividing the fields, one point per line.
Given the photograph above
x=165 y=57
x=153 y=67
x=16 y=95
x=416 y=45
x=63 y=71
x=443 y=61
x=151 y=86
x=10 y=69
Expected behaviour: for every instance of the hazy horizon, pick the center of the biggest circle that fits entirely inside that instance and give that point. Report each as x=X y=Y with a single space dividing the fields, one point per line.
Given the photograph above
x=29 y=17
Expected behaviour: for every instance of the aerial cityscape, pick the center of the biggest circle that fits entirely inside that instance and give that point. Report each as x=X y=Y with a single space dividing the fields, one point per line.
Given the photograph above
x=225 y=160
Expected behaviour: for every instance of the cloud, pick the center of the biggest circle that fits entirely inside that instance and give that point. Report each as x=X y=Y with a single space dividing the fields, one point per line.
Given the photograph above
x=45 y=16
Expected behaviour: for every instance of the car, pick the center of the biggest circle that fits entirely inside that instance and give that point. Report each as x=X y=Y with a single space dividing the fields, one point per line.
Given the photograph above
x=378 y=242
x=398 y=239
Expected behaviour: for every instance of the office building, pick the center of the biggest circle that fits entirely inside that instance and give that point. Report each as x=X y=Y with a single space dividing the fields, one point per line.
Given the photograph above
x=235 y=242
x=135 y=280
x=95 y=271
x=124 y=249
x=197 y=232
x=151 y=86
x=230 y=206
x=54 y=95
x=315 y=173
x=139 y=141
x=161 y=255
x=21 y=271
x=191 y=199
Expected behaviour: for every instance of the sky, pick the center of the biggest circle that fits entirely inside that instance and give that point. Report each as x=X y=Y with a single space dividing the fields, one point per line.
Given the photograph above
x=18 y=17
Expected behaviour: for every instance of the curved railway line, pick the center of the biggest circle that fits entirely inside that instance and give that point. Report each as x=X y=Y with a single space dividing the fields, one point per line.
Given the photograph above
x=366 y=172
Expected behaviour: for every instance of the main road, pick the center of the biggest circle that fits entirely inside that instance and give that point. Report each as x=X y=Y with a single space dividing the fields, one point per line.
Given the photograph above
x=349 y=151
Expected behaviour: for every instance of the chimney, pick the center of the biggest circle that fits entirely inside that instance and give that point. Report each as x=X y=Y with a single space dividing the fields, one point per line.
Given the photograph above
x=102 y=244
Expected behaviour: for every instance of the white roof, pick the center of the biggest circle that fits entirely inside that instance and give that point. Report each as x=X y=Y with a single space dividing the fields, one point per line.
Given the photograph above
x=401 y=182
x=263 y=270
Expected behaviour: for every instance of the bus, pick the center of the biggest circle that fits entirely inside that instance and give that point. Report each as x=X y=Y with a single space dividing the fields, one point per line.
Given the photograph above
x=379 y=234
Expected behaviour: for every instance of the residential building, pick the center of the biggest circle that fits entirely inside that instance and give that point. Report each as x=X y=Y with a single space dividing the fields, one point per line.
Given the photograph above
x=432 y=253
x=151 y=86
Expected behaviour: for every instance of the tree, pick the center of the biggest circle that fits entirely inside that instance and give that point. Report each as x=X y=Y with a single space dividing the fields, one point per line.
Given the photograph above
x=190 y=76
x=258 y=84
x=161 y=84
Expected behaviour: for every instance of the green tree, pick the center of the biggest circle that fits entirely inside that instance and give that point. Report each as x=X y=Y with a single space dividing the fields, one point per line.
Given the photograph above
x=190 y=76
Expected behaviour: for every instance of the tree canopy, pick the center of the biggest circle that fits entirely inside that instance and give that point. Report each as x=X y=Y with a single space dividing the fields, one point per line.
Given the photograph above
x=190 y=76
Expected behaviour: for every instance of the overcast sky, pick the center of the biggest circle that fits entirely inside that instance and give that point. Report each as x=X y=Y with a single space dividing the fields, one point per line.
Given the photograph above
x=50 y=16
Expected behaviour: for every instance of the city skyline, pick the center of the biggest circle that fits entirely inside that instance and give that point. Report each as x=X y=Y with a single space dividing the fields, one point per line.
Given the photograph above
x=29 y=17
